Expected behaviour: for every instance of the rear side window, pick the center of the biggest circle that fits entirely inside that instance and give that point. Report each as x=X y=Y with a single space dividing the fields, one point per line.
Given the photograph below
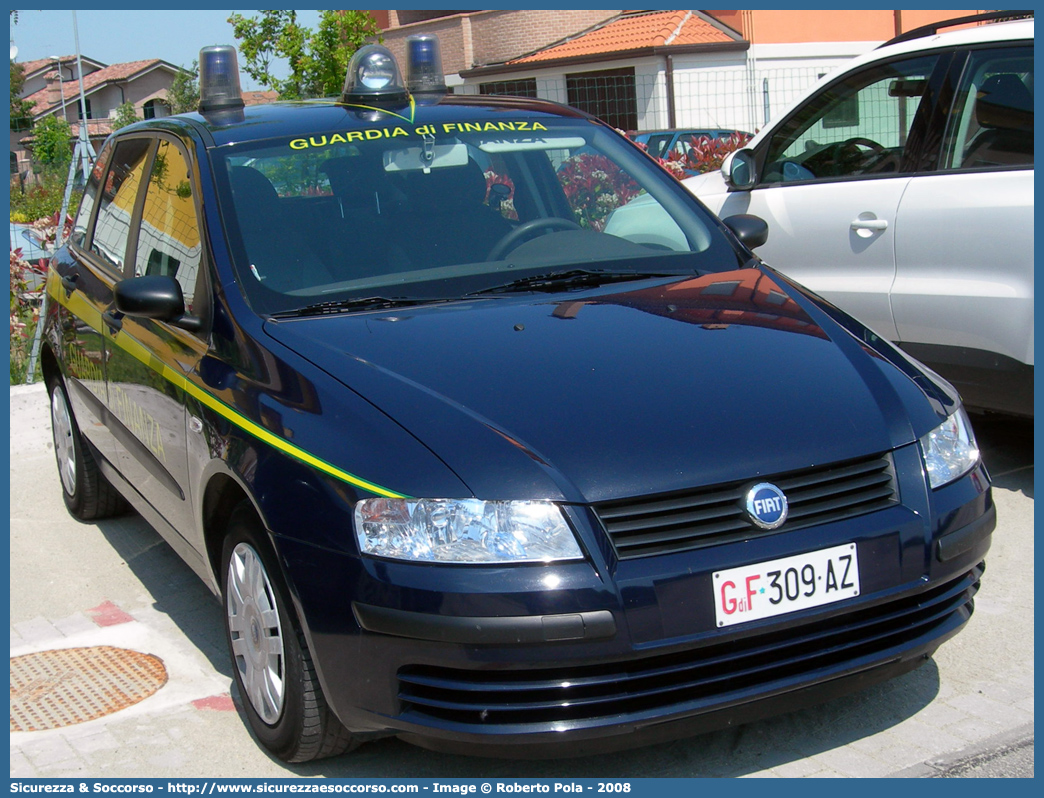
x=90 y=193
x=993 y=123
x=116 y=204
x=169 y=241
x=858 y=126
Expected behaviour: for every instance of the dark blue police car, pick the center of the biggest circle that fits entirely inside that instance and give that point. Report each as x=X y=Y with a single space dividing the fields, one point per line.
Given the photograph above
x=467 y=469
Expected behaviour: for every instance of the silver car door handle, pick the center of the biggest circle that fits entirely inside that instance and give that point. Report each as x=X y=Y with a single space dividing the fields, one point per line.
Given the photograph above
x=869 y=224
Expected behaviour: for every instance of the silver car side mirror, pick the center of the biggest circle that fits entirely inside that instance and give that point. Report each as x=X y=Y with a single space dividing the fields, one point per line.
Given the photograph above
x=740 y=170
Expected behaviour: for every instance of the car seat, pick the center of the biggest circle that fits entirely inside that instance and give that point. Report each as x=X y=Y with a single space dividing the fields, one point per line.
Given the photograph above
x=449 y=220
x=365 y=241
x=1004 y=112
x=280 y=253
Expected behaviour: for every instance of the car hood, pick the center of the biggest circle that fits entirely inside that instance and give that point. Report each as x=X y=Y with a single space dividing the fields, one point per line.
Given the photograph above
x=709 y=188
x=637 y=388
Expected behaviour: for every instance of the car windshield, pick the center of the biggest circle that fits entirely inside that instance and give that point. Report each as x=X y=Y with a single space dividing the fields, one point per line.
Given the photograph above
x=452 y=209
x=657 y=143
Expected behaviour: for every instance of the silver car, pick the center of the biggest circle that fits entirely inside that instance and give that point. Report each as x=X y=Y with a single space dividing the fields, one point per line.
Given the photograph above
x=901 y=189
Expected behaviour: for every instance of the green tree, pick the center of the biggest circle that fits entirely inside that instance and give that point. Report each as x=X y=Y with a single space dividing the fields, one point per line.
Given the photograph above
x=271 y=35
x=317 y=60
x=125 y=115
x=52 y=142
x=340 y=34
x=183 y=94
x=21 y=110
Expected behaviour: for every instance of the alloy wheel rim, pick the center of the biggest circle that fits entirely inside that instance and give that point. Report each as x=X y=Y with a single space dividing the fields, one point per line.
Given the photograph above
x=64 y=449
x=256 y=634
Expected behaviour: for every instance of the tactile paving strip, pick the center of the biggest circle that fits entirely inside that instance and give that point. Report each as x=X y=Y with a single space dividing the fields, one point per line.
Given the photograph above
x=51 y=689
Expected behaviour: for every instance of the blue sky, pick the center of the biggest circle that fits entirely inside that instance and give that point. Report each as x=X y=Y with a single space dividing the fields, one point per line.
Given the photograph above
x=116 y=36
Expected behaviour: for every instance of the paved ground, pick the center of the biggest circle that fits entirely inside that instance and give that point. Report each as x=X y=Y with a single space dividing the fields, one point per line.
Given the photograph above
x=1006 y=755
x=967 y=712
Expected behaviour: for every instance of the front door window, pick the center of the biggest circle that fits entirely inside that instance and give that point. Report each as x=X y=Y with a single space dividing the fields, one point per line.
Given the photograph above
x=169 y=241
x=860 y=126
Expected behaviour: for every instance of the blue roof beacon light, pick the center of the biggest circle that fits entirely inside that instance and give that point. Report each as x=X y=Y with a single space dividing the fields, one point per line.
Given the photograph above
x=424 y=74
x=219 y=88
x=373 y=78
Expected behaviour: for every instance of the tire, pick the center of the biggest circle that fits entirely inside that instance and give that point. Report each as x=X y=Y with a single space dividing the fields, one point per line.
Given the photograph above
x=87 y=493
x=271 y=664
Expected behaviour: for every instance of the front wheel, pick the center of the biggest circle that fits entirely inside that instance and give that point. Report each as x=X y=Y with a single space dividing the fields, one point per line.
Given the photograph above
x=272 y=665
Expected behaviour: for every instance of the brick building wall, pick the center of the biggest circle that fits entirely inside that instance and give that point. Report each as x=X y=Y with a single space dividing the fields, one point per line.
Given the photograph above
x=410 y=16
x=471 y=39
x=454 y=41
x=502 y=35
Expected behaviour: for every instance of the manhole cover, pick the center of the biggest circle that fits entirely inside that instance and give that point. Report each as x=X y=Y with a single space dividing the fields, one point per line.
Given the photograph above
x=52 y=689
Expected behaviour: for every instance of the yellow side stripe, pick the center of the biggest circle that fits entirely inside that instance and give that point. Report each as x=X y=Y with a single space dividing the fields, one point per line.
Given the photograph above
x=89 y=314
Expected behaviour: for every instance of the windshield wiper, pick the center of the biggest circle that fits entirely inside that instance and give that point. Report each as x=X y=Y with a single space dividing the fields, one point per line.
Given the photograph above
x=574 y=278
x=356 y=303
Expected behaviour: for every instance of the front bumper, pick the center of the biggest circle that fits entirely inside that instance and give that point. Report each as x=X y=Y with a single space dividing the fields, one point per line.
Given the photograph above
x=594 y=704
x=583 y=657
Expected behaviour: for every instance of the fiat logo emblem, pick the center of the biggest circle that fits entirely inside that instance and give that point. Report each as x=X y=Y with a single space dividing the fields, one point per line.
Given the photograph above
x=766 y=506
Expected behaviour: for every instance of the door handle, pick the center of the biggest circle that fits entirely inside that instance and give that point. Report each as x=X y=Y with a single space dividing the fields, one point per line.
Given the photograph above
x=69 y=281
x=869 y=224
x=114 y=321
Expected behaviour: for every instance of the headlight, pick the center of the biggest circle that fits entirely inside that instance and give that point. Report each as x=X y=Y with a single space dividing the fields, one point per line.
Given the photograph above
x=464 y=531
x=950 y=450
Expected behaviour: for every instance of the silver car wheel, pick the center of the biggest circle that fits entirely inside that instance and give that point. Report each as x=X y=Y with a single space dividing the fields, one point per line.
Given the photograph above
x=257 y=638
x=64 y=447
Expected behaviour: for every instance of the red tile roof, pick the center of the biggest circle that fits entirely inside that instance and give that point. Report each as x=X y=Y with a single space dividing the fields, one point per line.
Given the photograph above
x=259 y=97
x=121 y=71
x=635 y=31
x=96 y=128
x=91 y=81
x=29 y=67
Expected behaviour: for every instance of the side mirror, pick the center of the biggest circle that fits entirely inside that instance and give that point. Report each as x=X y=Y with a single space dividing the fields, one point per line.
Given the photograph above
x=751 y=230
x=155 y=297
x=740 y=170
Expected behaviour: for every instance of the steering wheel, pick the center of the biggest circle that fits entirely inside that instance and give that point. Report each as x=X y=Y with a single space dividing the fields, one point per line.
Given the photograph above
x=848 y=157
x=516 y=236
x=877 y=159
x=859 y=141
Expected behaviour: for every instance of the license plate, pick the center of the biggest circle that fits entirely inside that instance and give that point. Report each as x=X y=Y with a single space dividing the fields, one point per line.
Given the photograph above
x=776 y=587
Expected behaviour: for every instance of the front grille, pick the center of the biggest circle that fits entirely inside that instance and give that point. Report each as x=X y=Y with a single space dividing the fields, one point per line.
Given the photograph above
x=712 y=516
x=587 y=692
